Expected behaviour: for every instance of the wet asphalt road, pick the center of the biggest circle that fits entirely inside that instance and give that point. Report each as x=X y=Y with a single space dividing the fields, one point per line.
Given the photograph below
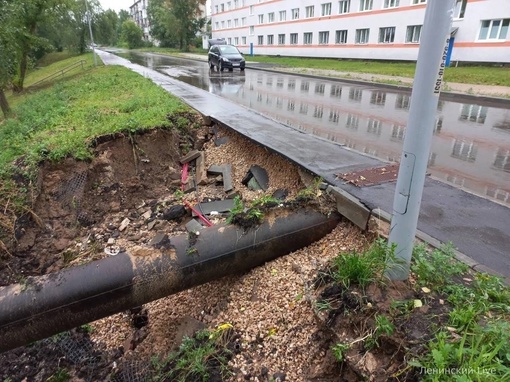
x=471 y=144
x=477 y=226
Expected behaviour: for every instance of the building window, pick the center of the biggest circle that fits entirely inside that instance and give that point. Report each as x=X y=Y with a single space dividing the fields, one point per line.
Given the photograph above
x=460 y=9
x=386 y=35
x=243 y=40
x=403 y=101
x=243 y=21
x=362 y=36
x=336 y=91
x=270 y=17
x=236 y=23
x=502 y=160
x=473 y=113
x=320 y=88
x=344 y=6
x=260 y=40
x=419 y=1
x=365 y=5
x=324 y=38
x=283 y=15
x=378 y=98
x=291 y=85
x=281 y=39
x=326 y=9
x=413 y=34
x=236 y=3
x=352 y=122
x=251 y=9
x=355 y=94
x=217 y=25
x=374 y=126
x=398 y=133
x=229 y=6
x=261 y=19
x=229 y=23
x=465 y=151
x=215 y=9
x=309 y=11
x=252 y=30
x=230 y=41
x=293 y=39
x=307 y=38
x=295 y=13
x=270 y=39
x=391 y=3
x=341 y=37
x=223 y=25
x=494 y=29
x=222 y=8
x=305 y=86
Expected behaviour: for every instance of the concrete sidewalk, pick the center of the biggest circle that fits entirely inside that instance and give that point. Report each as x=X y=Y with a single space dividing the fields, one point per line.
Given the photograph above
x=479 y=228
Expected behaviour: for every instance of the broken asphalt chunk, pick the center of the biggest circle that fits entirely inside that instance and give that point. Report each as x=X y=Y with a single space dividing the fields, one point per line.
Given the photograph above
x=256 y=178
x=216 y=205
x=226 y=173
x=192 y=155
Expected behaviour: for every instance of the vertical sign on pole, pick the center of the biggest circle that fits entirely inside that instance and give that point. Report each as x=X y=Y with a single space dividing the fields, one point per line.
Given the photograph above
x=430 y=67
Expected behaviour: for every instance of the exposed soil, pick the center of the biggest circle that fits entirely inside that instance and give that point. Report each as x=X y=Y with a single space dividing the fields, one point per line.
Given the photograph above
x=127 y=195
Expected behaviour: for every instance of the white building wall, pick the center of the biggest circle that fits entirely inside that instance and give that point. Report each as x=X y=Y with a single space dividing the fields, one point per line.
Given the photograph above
x=467 y=45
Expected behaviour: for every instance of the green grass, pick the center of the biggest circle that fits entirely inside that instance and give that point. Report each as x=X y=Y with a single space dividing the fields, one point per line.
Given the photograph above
x=476 y=74
x=63 y=119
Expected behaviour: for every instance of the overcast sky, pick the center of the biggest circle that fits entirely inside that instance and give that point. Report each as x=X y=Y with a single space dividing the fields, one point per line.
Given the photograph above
x=117 y=5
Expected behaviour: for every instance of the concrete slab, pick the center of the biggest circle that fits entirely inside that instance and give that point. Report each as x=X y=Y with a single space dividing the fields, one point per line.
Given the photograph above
x=479 y=228
x=217 y=205
x=350 y=207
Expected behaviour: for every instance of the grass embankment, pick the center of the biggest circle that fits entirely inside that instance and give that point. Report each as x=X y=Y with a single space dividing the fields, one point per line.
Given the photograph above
x=63 y=116
x=468 y=342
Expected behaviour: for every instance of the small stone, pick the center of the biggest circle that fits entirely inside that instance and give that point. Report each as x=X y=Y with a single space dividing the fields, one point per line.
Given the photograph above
x=124 y=224
x=279 y=377
x=111 y=241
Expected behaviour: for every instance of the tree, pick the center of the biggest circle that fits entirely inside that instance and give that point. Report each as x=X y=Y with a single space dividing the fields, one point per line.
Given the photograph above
x=10 y=51
x=175 y=23
x=132 y=34
x=106 y=28
x=189 y=20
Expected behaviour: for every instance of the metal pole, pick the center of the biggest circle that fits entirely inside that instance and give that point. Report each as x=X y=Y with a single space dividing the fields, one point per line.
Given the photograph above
x=413 y=164
x=90 y=30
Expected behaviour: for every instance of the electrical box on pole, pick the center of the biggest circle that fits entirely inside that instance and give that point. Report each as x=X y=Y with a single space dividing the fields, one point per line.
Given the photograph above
x=430 y=66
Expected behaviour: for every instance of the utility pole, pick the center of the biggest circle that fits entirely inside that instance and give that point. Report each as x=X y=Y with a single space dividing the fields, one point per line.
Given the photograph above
x=90 y=30
x=430 y=68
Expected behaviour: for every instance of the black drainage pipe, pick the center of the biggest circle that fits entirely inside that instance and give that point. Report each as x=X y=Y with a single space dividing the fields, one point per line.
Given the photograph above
x=49 y=304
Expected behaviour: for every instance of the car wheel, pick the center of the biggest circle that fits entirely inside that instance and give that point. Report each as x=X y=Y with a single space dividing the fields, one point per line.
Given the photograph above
x=231 y=69
x=211 y=65
x=242 y=69
x=221 y=67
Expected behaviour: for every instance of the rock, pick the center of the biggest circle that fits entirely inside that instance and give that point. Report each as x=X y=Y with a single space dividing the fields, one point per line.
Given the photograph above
x=174 y=212
x=124 y=224
x=279 y=377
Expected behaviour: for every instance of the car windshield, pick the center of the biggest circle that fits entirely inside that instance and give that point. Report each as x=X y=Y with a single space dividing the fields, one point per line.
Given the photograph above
x=228 y=49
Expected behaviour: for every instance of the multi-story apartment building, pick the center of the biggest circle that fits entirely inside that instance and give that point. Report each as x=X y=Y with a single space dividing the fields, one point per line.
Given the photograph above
x=359 y=29
x=138 y=12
